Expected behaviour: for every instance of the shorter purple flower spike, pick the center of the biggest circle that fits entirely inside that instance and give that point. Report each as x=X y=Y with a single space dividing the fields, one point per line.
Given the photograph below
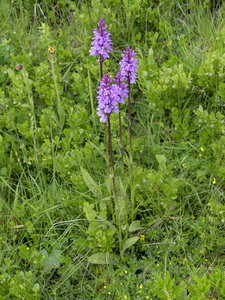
x=107 y=102
x=120 y=88
x=101 y=44
x=128 y=65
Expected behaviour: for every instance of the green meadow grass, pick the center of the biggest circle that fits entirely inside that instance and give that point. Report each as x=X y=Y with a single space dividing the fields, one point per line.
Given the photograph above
x=56 y=203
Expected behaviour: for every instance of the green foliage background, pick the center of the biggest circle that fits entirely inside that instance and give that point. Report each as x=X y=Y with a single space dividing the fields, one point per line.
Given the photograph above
x=53 y=181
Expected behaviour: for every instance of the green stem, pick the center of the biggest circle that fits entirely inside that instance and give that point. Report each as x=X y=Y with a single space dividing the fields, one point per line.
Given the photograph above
x=114 y=186
x=107 y=149
x=121 y=147
x=106 y=135
x=123 y=168
x=101 y=67
x=59 y=103
x=130 y=152
x=129 y=112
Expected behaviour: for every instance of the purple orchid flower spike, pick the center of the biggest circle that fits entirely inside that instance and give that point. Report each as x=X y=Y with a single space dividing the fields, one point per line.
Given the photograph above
x=107 y=99
x=120 y=88
x=128 y=65
x=101 y=44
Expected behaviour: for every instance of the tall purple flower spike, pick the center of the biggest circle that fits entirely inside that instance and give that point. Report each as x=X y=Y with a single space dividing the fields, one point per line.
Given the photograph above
x=128 y=65
x=101 y=44
x=107 y=102
x=120 y=88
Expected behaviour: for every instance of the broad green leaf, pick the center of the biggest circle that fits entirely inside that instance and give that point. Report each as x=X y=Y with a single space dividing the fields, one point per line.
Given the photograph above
x=108 y=183
x=103 y=210
x=102 y=258
x=161 y=159
x=89 y=211
x=130 y=242
x=90 y=183
x=150 y=52
x=24 y=251
x=162 y=162
x=79 y=242
x=134 y=226
x=50 y=261
x=36 y=287
x=145 y=73
x=98 y=149
x=107 y=223
x=122 y=198
x=200 y=108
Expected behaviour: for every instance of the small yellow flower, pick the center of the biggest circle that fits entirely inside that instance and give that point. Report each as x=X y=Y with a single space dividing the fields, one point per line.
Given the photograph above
x=184 y=165
x=202 y=149
x=51 y=50
x=142 y=237
x=109 y=293
x=105 y=286
x=214 y=181
x=28 y=248
x=121 y=283
x=125 y=272
x=141 y=286
x=125 y=296
x=147 y=297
